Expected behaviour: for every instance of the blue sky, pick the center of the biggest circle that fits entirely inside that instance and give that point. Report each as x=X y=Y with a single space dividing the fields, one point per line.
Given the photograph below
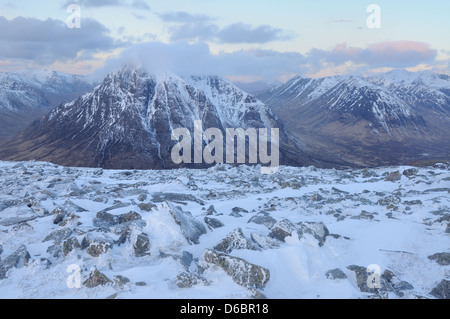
x=249 y=40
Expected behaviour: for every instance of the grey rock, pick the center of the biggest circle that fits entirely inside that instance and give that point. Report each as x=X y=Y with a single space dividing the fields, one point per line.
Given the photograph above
x=211 y=211
x=69 y=245
x=318 y=230
x=191 y=228
x=442 y=259
x=442 y=290
x=176 y=198
x=393 y=177
x=129 y=217
x=189 y=280
x=241 y=271
x=16 y=220
x=335 y=274
x=142 y=245
x=239 y=210
x=234 y=240
x=213 y=222
x=141 y=284
x=142 y=197
x=413 y=202
x=146 y=207
x=264 y=242
x=186 y=259
x=106 y=220
x=96 y=278
x=18 y=259
x=59 y=218
x=235 y=214
x=121 y=281
x=361 y=278
x=282 y=229
x=317 y=197
x=265 y=220
x=58 y=235
x=98 y=247
x=410 y=172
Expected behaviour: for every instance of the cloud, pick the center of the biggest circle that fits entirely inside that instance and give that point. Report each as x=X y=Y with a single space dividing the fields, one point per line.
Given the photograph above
x=198 y=27
x=47 y=41
x=183 y=58
x=396 y=54
x=136 y=4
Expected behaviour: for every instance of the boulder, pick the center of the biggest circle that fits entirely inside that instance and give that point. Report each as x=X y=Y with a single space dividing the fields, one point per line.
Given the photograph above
x=336 y=273
x=318 y=230
x=442 y=259
x=282 y=229
x=213 y=222
x=264 y=242
x=18 y=259
x=263 y=219
x=189 y=280
x=442 y=290
x=69 y=245
x=241 y=271
x=96 y=278
x=142 y=245
x=234 y=240
x=58 y=235
x=191 y=228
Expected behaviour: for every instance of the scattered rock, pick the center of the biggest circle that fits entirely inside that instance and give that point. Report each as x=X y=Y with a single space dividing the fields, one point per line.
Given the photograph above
x=393 y=177
x=105 y=220
x=129 y=217
x=97 y=248
x=18 y=259
x=124 y=236
x=96 y=278
x=239 y=210
x=69 y=245
x=442 y=259
x=241 y=271
x=142 y=197
x=176 y=198
x=335 y=274
x=186 y=259
x=58 y=235
x=282 y=229
x=442 y=290
x=141 y=284
x=189 y=280
x=213 y=222
x=234 y=240
x=211 y=211
x=410 y=172
x=413 y=202
x=59 y=218
x=191 y=228
x=146 y=207
x=142 y=245
x=262 y=219
x=318 y=230
x=121 y=281
x=264 y=242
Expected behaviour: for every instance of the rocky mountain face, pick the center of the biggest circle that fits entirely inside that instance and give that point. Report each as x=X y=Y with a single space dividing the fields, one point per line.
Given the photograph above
x=128 y=120
x=27 y=95
x=390 y=118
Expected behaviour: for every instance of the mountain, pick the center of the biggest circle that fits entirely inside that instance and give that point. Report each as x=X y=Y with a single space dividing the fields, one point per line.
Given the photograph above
x=391 y=118
x=127 y=121
x=257 y=87
x=27 y=95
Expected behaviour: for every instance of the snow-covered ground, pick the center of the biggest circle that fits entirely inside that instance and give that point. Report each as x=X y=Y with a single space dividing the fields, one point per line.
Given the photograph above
x=224 y=232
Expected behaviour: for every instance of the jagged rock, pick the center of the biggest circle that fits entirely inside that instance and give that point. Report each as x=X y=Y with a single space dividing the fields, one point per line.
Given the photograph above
x=129 y=217
x=58 y=235
x=392 y=283
x=282 y=229
x=318 y=230
x=142 y=197
x=361 y=278
x=97 y=247
x=335 y=274
x=146 y=207
x=142 y=245
x=189 y=280
x=264 y=242
x=191 y=228
x=96 y=278
x=262 y=219
x=59 y=218
x=211 y=211
x=241 y=271
x=213 y=222
x=186 y=259
x=121 y=281
x=442 y=259
x=124 y=236
x=239 y=210
x=393 y=177
x=106 y=220
x=234 y=240
x=69 y=245
x=442 y=290
x=176 y=198
x=410 y=172
x=17 y=259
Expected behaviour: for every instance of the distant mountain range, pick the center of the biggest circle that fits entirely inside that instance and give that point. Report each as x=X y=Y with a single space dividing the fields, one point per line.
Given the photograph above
x=393 y=118
x=27 y=95
x=126 y=121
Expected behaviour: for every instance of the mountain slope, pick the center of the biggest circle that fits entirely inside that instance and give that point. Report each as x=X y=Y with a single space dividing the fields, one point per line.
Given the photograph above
x=386 y=119
x=27 y=95
x=127 y=121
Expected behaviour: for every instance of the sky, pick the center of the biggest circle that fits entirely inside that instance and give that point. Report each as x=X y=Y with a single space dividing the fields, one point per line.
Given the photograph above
x=242 y=40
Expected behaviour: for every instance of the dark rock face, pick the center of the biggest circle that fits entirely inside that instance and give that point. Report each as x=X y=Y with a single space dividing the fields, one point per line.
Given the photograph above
x=442 y=290
x=127 y=122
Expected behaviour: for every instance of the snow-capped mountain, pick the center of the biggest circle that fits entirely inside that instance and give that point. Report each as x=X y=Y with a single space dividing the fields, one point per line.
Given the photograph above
x=26 y=95
x=127 y=121
x=382 y=119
